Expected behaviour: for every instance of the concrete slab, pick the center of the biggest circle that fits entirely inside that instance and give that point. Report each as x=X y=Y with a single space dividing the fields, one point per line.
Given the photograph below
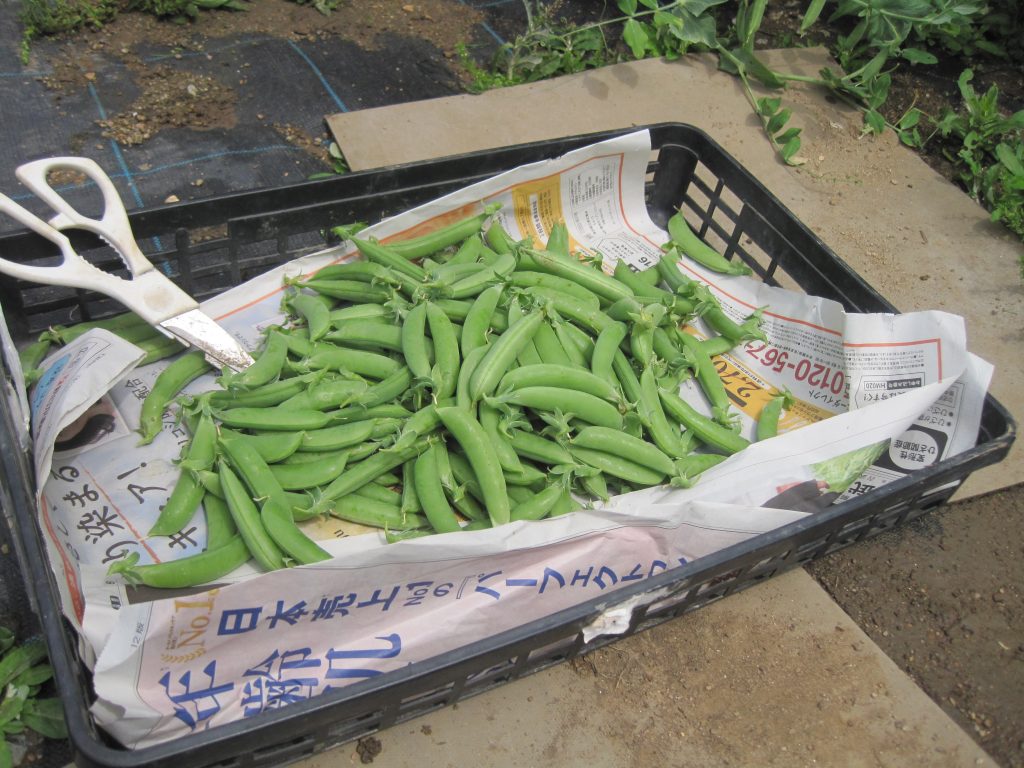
x=910 y=233
x=774 y=676
x=778 y=674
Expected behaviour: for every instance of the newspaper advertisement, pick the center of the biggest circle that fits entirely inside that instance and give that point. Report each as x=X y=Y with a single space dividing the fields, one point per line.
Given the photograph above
x=874 y=396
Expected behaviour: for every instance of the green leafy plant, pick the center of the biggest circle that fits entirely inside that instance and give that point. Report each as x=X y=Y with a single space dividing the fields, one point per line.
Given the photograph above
x=988 y=152
x=23 y=671
x=184 y=10
x=339 y=165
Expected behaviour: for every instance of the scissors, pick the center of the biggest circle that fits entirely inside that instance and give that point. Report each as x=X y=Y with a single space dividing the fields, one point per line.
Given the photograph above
x=147 y=292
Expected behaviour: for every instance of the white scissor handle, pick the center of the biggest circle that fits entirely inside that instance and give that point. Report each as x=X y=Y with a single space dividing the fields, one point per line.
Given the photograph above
x=150 y=295
x=112 y=226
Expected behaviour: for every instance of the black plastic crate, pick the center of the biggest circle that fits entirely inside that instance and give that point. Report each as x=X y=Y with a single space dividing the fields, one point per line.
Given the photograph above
x=212 y=244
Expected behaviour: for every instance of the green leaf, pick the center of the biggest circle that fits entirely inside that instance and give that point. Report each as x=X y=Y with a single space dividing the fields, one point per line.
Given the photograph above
x=756 y=69
x=874 y=122
x=789 y=150
x=768 y=106
x=811 y=15
x=21 y=658
x=6 y=639
x=37 y=675
x=778 y=120
x=910 y=119
x=785 y=138
x=917 y=56
x=6 y=758
x=45 y=717
x=635 y=35
x=1009 y=159
x=652 y=4
x=628 y=7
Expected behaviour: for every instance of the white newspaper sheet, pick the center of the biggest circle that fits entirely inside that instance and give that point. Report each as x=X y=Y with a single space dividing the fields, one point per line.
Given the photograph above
x=875 y=395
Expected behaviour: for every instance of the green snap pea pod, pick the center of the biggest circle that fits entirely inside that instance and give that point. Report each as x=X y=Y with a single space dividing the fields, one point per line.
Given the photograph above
x=571 y=308
x=298 y=343
x=420 y=424
x=607 y=288
x=737 y=333
x=337 y=437
x=431 y=494
x=360 y=271
x=469 y=364
x=768 y=420
x=311 y=309
x=360 y=452
x=558 y=240
x=253 y=470
x=617 y=466
x=627 y=377
x=457 y=310
x=717 y=345
x=544 y=282
x=247 y=519
x=157 y=347
x=539 y=505
x=188 y=492
x=384 y=392
x=489 y=419
x=168 y=384
x=376 y=514
x=545 y=375
x=331 y=393
x=640 y=287
x=476 y=326
x=708 y=378
x=528 y=475
x=576 y=343
x=474 y=284
x=220 y=527
x=452 y=273
x=310 y=457
x=467 y=506
x=363 y=334
x=359 y=312
x=548 y=347
x=465 y=476
x=446 y=352
x=624 y=310
x=498 y=239
x=528 y=355
x=668 y=268
x=268 y=395
x=709 y=432
x=432 y=242
x=663 y=433
x=300 y=477
x=31 y=356
x=374 y=490
x=565 y=504
x=274 y=419
x=517 y=494
x=537 y=448
x=690 y=468
x=410 y=501
x=500 y=355
x=595 y=485
x=211 y=483
x=664 y=348
x=469 y=251
x=472 y=439
x=625 y=446
x=358 y=475
x=582 y=405
x=201 y=568
x=359 y=361
x=116 y=324
x=591 y=302
x=605 y=347
x=488 y=256
x=282 y=530
x=695 y=248
x=393 y=537
x=272 y=446
x=414 y=342
x=350 y=290
x=387 y=480
x=384 y=410
x=387 y=257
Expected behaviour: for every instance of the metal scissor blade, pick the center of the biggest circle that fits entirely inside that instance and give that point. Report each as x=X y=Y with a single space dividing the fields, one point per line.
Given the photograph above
x=199 y=330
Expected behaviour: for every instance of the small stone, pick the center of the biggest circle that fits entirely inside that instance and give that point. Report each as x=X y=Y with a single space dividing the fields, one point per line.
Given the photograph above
x=409 y=8
x=90 y=76
x=172 y=199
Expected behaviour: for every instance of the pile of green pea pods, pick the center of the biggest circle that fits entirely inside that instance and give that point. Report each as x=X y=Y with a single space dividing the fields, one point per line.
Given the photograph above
x=455 y=381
